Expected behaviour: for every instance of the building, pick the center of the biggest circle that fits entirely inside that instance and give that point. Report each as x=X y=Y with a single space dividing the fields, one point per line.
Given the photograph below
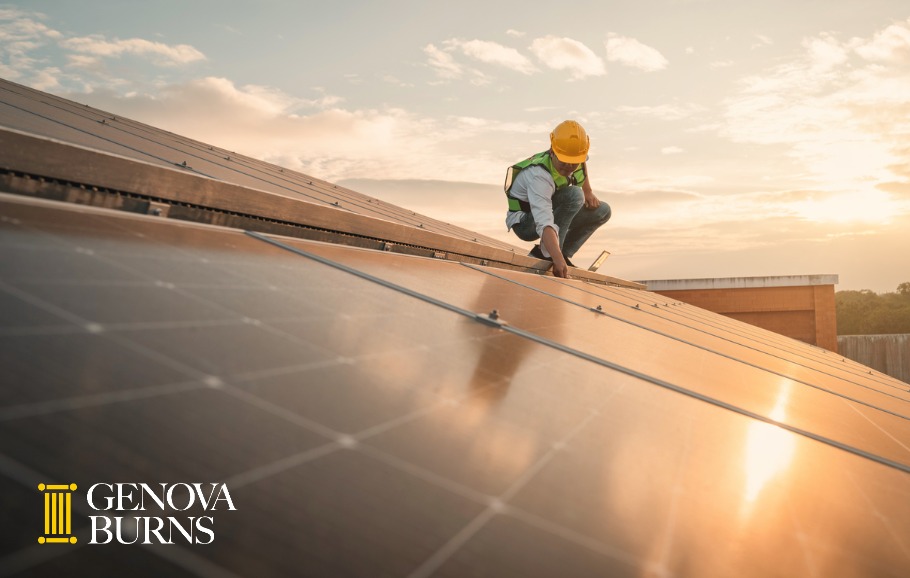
x=798 y=306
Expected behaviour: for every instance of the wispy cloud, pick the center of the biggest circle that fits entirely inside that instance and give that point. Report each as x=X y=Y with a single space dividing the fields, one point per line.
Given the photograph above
x=494 y=53
x=22 y=36
x=447 y=68
x=631 y=52
x=319 y=136
x=839 y=109
x=891 y=45
x=31 y=52
x=19 y=25
x=825 y=52
x=442 y=62
x=568 y=54
x=761 y=41
x=160 y=53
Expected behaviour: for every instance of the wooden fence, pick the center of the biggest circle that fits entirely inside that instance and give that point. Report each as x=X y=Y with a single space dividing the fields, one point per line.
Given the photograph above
x=888 y=354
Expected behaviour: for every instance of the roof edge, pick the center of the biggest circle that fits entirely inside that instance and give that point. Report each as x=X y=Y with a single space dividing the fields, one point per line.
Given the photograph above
x=741 y=282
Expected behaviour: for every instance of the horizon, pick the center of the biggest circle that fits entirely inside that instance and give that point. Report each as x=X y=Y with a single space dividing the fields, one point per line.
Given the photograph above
x=729 y=143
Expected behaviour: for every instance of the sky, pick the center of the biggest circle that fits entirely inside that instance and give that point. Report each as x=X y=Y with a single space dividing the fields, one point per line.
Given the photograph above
x=731 y=138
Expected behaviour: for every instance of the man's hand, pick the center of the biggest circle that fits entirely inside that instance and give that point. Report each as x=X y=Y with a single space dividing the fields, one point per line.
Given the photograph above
x=551 y=241
x=560 y=269
x=591 y=200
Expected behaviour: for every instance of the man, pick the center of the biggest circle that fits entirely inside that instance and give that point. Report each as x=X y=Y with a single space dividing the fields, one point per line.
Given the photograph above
x=547 y=203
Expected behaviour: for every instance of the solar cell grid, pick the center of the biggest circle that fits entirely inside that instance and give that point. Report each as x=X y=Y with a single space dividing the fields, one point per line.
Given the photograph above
x=369 y=432
x=621 y=339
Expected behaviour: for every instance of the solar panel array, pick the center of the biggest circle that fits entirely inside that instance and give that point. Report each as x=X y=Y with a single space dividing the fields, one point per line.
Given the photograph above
x=378 y=414
x=43 y=114
x=370 y=418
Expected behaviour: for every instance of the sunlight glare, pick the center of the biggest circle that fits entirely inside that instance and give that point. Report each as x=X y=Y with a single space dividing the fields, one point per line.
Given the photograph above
x=769 y=448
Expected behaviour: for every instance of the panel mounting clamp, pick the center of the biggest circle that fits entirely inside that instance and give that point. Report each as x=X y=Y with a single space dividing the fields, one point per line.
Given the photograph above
x=492 y=318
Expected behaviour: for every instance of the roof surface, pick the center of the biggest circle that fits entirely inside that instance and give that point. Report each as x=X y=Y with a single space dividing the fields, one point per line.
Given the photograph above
x=371 y=416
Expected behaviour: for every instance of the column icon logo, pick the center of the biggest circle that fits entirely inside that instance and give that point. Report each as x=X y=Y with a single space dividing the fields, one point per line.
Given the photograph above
x=58 y=499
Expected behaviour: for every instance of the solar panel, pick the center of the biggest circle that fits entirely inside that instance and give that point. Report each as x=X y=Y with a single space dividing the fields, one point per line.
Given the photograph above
x=370 y=417
x=39 y=113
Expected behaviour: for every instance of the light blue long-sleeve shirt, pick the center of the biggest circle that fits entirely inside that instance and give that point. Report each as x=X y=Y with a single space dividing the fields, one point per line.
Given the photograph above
x=534 y=185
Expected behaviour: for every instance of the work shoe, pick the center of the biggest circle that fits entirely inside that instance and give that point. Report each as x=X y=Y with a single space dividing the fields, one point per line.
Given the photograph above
x=536 y=252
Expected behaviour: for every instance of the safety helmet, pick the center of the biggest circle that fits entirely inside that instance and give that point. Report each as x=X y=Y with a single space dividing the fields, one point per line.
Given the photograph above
x=570 y=142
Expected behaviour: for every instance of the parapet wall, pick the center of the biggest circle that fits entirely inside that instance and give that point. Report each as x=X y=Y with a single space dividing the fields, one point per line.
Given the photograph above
x=798 y=306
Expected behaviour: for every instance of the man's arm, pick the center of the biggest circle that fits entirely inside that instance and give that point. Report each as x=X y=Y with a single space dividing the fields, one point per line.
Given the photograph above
x=550 y=240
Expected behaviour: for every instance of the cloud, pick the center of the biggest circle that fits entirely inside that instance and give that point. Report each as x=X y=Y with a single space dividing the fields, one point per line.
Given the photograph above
x=33 y=53
x=899 y=190
x=320 y=137
x=442 y=62
x=891 y=45
x=164 y=54
x=762 y=41
x=567 y=54
x=553 y=52
x=447 y=68
x=515 y=33
x=672 y=150
x=18 y=25
x=494 y=53
x=630 y=52
x=22 y=37
x=838 y=111
x=825 y=52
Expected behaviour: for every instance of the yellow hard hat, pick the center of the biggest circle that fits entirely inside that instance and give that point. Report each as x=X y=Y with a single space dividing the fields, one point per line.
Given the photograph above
x=570 y=142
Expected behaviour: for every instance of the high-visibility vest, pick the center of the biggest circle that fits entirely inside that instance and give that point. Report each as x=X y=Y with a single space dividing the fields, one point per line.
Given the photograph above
x=542 y=160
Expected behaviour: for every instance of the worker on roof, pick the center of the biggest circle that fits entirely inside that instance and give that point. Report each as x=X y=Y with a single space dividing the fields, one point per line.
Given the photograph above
x=550 y=198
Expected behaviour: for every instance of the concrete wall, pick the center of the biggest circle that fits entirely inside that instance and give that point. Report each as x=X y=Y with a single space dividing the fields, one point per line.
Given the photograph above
x=889 y=354
x=799 y=306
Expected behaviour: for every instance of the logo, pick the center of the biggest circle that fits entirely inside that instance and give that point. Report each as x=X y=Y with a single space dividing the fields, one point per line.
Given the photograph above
x=122 y=513
x=58 y=513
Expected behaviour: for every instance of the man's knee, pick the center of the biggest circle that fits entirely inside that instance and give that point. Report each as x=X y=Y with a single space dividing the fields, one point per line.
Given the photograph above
x=604 y=212
x=570 y=197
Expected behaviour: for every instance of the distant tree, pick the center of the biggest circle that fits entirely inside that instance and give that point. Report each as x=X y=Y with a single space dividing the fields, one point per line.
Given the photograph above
x=867 y=313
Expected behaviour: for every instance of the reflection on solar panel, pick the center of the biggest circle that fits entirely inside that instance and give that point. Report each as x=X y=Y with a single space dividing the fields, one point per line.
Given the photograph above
x=369 y=415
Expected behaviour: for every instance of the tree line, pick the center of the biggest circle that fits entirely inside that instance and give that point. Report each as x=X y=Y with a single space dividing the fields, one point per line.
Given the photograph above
x=868 y=313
